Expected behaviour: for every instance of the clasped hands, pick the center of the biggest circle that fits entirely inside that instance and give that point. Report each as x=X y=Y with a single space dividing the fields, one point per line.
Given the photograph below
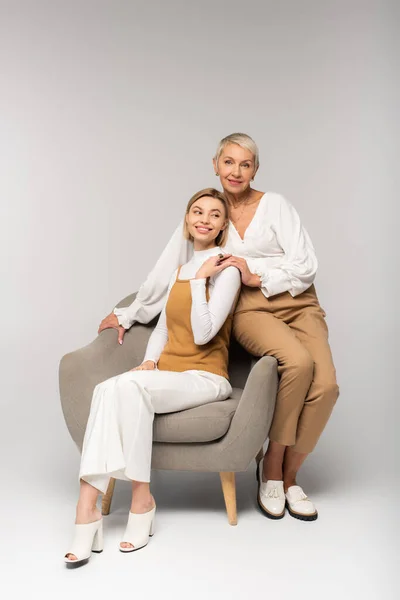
x=218 y=263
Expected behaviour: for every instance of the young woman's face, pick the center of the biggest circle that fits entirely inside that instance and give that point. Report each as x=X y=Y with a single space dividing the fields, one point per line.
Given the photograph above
x=236 y=168
x=205 y=220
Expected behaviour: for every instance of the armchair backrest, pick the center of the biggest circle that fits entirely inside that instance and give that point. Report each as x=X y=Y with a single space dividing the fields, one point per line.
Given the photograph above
x=240 y=364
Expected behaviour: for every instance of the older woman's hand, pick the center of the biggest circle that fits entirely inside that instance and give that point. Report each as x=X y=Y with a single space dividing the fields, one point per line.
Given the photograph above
x=248 y=278
x=111 y=322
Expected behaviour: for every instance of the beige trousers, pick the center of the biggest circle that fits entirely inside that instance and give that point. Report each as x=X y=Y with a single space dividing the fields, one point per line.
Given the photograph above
x=294 y=331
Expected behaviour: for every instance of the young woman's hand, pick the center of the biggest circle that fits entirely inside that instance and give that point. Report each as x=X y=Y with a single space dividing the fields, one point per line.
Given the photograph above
x=212 y=266
x=248 y=278
x=111 y=322
x=148 y=365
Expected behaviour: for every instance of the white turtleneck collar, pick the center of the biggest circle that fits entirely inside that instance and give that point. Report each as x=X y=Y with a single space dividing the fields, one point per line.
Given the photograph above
x=202 y=255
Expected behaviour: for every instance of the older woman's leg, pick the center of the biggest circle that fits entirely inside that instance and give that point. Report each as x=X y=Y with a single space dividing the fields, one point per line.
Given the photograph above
x=311 y=330
x=263 y=334
x=256 y=328
x=294 y=331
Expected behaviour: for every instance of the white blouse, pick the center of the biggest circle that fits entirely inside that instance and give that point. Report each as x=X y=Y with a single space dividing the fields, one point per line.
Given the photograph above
x=206 y=318
x=275 y=246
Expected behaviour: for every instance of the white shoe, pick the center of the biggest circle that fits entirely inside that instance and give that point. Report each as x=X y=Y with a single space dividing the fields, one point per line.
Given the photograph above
x=299 y=505
x=88 y=538
x=138 y=530
x=271 y=495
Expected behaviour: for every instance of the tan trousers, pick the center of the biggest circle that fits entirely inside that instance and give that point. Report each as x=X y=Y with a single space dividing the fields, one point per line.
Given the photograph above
x=294 y=331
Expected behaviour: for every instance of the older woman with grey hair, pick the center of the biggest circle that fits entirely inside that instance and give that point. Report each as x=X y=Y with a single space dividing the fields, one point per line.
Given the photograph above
x=277 y=314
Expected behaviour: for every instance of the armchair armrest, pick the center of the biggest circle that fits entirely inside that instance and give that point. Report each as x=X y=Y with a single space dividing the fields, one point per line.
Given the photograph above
x=80 y=371
x=252 y=420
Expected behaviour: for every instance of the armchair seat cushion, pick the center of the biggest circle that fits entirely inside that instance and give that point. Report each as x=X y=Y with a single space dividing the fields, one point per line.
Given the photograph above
x=201 y=424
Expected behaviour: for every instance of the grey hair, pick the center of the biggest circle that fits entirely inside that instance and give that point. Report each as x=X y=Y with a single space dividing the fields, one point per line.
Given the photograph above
x=244 y=141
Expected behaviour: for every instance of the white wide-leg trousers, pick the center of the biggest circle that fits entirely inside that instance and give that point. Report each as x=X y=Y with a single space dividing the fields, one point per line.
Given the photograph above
x=119 y=432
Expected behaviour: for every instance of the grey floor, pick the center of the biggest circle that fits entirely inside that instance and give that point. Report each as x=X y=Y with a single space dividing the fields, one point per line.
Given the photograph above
x=349 y=552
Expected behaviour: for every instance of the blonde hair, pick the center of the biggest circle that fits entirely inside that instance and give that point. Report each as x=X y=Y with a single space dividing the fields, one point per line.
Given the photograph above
x=222 y=237
x=244 y=141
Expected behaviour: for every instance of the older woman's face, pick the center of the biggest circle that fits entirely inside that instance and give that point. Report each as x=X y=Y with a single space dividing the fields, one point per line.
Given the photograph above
x=236 y=168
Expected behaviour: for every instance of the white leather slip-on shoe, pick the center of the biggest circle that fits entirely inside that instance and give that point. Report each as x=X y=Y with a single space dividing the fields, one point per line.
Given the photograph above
x=138 y=530
x=88 y=538
x=299 y=505
x=271 y=495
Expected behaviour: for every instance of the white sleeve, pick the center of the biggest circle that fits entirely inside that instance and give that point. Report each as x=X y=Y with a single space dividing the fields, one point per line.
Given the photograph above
x=159 y=336
x=299 y=265
x=207 y=318
x=152 y=293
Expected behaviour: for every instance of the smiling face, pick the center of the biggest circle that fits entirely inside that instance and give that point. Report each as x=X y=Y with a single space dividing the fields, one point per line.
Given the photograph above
x=236 y=168
x=205 y=219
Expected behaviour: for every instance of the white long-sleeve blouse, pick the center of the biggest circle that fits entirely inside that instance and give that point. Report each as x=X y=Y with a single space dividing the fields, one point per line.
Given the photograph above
x=207 y=317
x=275 y=246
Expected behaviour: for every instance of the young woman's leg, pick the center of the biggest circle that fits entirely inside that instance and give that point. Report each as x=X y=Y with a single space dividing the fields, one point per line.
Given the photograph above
x=86 y=509
x=118 y=437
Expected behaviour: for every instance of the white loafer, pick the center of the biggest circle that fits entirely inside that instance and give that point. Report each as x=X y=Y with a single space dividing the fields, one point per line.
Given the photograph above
x=88 y=538
x=299 y=505
x=271 y=495
x=138 y=530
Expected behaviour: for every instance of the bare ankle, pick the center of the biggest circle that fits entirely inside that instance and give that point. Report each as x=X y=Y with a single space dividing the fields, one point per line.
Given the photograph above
x=272 y=468
x=287 y=483
x=85 y=514
x=142 y=504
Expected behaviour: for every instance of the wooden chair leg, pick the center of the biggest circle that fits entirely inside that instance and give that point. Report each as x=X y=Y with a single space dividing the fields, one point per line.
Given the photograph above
x=260 y=455
x=229 y=491
x=107 y=497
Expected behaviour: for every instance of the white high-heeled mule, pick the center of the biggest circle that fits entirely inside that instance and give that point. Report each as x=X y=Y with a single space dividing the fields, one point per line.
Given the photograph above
x=138 y=530
x=88 y=537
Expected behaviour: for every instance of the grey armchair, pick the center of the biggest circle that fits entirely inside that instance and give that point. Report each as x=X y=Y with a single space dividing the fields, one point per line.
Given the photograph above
x=221 y=437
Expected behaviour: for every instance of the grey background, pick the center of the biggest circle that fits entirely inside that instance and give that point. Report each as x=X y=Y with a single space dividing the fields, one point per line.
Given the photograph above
x=110 y=113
